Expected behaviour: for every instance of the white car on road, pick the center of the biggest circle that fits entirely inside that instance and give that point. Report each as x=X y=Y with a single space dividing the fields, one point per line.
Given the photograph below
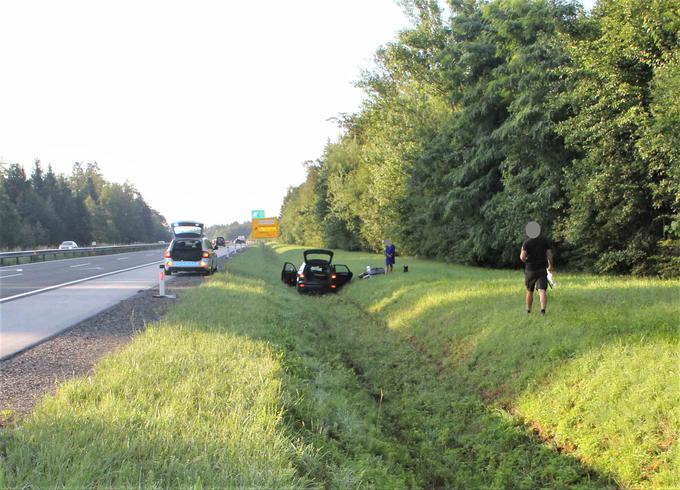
x=68 y=245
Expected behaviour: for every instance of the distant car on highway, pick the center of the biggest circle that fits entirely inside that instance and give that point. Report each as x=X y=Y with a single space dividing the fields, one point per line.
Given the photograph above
x=220 y=241
x=317 y=273
x=190 y=251
x=67 y=245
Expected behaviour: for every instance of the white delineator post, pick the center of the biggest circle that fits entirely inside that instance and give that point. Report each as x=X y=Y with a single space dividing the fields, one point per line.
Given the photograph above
x=161 y=282
x=161 y=285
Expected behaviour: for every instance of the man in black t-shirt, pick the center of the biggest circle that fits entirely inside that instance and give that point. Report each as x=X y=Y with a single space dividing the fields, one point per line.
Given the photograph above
x=537 y=257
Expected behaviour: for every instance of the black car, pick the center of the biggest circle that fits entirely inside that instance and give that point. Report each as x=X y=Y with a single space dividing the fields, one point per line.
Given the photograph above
x=316 y=274
x=220 y=241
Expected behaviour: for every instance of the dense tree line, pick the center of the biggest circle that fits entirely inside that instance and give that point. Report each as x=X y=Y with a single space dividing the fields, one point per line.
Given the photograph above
x=228 y=232
x=489 y=114
x=45 y=208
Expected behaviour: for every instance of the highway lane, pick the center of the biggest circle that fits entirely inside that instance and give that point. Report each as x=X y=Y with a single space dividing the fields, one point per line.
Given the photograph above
x=27 y=278
x=29 y=320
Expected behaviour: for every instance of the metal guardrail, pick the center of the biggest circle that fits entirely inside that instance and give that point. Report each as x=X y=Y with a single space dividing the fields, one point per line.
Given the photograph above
x=41 y=255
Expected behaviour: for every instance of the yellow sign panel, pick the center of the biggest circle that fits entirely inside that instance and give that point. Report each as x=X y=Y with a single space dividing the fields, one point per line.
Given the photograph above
x=265 y=228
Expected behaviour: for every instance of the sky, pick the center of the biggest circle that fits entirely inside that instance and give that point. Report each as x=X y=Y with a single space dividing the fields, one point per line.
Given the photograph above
x=208 y=108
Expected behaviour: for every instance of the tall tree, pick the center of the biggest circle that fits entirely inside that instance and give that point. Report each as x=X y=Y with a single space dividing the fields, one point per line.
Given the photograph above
x=37 y=177
x=614 y=221
x=513 y=110
x=52 y=208
x=15 y=182
x=9 y=217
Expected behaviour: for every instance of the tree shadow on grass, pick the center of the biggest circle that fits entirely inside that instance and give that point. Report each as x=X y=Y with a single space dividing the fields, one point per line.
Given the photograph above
x=500 y=353
x=488 y=331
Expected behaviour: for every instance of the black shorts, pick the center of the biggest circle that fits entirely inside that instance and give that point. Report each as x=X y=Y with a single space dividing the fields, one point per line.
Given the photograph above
x=536 y=279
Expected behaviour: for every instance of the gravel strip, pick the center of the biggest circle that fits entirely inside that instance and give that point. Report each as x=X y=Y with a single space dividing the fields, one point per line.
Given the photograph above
x=30 y=375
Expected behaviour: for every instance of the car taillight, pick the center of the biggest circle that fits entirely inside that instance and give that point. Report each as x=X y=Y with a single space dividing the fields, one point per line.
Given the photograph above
x=301 y=276
x=334 y=276
x=333 y=286
x=167 y=254
x=206 y=255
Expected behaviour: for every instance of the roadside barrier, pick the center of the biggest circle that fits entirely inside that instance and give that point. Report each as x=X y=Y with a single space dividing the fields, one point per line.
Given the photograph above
x=41 y=255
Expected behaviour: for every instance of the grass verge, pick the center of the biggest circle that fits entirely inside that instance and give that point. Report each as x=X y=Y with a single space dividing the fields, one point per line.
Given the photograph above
x=435 y=378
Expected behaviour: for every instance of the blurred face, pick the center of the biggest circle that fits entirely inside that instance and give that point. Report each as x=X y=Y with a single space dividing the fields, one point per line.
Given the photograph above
x=533 y=229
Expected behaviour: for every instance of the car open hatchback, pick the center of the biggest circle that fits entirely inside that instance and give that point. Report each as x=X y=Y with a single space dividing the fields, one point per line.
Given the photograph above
x=317 y=273
x=190 y=251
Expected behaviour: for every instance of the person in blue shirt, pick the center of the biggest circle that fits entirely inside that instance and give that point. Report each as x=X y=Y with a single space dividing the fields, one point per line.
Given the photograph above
x=390 y=252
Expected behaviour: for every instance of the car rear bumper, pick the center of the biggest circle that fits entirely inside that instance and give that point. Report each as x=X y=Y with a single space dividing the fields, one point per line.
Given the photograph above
x=313 y=287
x=187 y=266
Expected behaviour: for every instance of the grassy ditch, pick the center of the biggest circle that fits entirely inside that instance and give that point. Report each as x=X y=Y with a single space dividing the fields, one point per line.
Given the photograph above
x=435 y=378
x=597 y=378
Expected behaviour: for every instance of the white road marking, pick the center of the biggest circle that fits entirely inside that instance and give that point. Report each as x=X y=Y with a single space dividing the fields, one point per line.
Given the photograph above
x=94 y=269
x=50 y=288
x=123 y=258
x=80 y=265
x=11 y=275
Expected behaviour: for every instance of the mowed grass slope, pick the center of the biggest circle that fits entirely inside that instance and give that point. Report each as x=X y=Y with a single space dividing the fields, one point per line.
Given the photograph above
x=599 y=376
x=435 y=378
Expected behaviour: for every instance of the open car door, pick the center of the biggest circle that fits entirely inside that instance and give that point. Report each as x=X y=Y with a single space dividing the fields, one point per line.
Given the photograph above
x=343 y=274
x=289 y=274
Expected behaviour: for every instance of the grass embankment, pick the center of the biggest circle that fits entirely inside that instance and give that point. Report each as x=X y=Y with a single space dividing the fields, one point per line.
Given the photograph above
x=435 y=378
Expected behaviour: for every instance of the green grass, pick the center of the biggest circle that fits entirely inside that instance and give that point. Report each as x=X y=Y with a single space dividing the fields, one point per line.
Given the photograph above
x=435 y=378
x=598 y=376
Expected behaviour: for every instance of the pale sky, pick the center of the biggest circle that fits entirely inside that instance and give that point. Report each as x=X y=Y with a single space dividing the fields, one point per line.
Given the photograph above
x=208 y=107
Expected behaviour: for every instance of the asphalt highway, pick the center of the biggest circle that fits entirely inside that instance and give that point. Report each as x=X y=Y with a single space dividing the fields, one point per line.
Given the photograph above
x=24 y=279
x=51 y=306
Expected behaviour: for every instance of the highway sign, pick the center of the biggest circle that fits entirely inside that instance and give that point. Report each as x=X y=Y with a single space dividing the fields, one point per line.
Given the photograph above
x=257 y=214
x=265 y=228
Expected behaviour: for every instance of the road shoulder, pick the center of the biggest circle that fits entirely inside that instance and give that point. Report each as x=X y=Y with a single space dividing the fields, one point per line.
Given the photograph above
x=30 y=375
